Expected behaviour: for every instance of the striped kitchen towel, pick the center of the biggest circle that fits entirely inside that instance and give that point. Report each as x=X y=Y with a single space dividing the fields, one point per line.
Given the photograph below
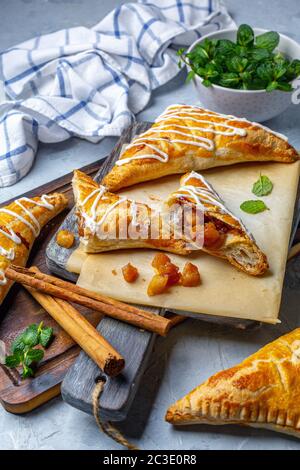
x=90 y=83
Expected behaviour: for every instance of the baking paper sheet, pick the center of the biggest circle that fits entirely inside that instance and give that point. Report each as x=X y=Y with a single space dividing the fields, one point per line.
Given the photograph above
x=224 y=291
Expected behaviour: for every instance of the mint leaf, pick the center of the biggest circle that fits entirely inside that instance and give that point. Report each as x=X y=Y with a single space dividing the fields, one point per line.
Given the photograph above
x=18 y=345
x=27 y=372
x=245 y=35
x=46 y=336
x=268 y=40
x=30 y=337
x=13 y=360
x=262 y=187
x=23 y=348
x=190 y=76
x=34 y=355
x=253 y=207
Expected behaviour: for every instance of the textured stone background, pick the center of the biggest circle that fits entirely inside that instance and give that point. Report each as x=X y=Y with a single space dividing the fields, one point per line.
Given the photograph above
x=195 y=349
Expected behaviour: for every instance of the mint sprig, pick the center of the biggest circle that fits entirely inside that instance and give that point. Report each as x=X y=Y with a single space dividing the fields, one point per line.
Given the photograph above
x=249 y=63
x=253 y=206
x=263 y=186
x=24 y=351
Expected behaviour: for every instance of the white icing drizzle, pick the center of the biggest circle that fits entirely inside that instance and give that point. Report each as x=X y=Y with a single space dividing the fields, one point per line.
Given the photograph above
x=206 y=195
x=201 y=195
x=8 y=254
x=196 y=109
x=12 y=236
x=91 y=220
x=184 y=112
x=34 y=226
x=110 y=209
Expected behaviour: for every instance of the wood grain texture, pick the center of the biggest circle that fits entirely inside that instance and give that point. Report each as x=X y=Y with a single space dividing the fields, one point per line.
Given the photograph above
x=20 y=309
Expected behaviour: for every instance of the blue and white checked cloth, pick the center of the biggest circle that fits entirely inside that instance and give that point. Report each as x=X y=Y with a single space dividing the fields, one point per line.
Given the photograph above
x=90 y=83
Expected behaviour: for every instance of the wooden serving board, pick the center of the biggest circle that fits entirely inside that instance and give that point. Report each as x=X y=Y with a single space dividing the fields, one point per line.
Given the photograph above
x=20 y=309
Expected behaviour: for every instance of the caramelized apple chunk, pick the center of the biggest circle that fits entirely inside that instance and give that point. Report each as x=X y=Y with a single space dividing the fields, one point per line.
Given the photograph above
x=190 y=276
x=157 y=285
x=130 y=273
x=65 y=239
x=211 y=234
x=172 y=271
x=159 y=260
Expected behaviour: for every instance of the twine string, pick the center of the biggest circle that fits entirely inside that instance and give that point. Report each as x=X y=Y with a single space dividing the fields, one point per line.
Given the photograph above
x=106 y=426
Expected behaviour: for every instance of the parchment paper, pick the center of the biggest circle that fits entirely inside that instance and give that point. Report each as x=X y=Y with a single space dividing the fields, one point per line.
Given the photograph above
x=224 y=291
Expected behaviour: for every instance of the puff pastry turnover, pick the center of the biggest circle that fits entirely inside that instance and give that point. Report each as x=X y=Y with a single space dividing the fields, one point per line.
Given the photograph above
x=186 y=138
x=263 y=391
x=108 y=222
x=20 y=224
x=224 y=235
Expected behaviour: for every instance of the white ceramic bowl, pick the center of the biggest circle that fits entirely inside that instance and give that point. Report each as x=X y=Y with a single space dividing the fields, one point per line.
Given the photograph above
x=255 y=105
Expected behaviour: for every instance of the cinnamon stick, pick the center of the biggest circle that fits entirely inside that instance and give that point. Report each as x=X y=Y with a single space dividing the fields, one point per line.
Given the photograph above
x=176 y=319
x=83 y=333
x=56 y=281
x=141 y=319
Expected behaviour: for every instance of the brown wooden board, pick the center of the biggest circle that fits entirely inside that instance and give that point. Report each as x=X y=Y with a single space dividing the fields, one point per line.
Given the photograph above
x=20 y=309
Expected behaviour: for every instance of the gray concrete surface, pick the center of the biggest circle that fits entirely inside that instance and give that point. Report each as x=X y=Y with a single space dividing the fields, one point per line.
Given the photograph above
x=195 y=349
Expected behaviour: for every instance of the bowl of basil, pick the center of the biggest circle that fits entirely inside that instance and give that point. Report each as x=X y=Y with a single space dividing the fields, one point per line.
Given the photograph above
x=245 y=72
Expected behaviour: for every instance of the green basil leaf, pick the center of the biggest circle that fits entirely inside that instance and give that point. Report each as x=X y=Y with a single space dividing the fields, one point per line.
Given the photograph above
x=263 y=186
x=245 y=35
x=13 y=361
x=46 y=336
x=253 y=207
x=269 y=40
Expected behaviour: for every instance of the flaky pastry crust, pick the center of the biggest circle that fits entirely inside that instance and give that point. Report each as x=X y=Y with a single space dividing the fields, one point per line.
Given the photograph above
x=262 y=391
x=186 y=138
x=237 y=243
x=13 y=228
x=115 y=212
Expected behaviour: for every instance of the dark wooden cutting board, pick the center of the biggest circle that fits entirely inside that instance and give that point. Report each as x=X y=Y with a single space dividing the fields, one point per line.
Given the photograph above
x=20 y=309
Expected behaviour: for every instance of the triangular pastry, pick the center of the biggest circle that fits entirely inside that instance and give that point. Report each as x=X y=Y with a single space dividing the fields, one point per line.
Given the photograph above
x=262 y=391
x=225 y=236
x=186 y=138
x=20 y=224
x=108 y=222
